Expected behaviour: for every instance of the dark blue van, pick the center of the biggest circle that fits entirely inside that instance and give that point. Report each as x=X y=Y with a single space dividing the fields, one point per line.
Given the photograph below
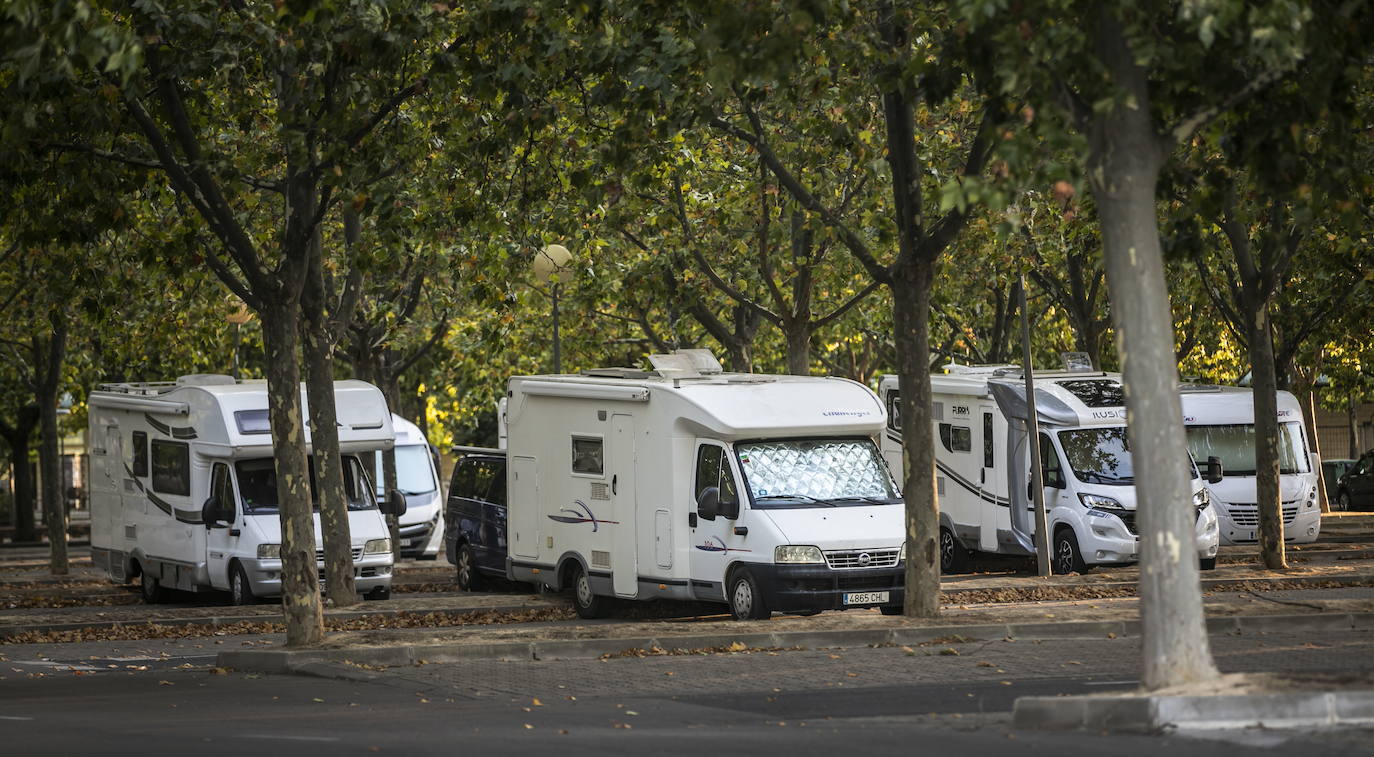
x=475 y=519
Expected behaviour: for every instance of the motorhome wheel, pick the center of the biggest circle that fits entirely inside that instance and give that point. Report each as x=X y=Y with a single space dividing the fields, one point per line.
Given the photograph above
x=953 y=556
x=468 y=577
x=1343 y=502
x=746 y=601
x=588 y=604
x=1067 y=557
x=379 y=593
x=240 y=591
x=891 y=609
x=153 y=592
x=1208 y=563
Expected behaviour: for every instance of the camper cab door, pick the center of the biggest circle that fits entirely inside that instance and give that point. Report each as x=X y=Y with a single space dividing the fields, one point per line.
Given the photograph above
x=220 y=542
x=714 y=537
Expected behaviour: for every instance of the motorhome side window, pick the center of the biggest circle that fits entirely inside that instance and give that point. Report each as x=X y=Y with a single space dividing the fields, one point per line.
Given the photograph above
x=987 y=441
x=714 y=470
x=140 y=450
x=171 y=467
x=1049 y=462
x=220 y=488
x=586 y=456
x=894 y=410
x=956 y=438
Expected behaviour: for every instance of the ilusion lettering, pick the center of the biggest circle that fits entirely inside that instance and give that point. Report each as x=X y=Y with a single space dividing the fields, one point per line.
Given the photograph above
x=1109 y=414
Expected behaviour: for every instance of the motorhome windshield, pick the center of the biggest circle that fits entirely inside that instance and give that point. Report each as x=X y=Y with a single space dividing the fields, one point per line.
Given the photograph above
x=257 y=480
x=1234 y=445
x=1103 y=455
x=815 y=473
x=413 y=472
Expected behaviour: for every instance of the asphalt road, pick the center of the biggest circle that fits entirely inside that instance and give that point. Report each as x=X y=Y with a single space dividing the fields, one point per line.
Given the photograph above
x=163 y=698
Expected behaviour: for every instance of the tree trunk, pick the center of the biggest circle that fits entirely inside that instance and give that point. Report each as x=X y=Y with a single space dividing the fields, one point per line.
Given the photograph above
x=318 y=350
x=300 y=590
x=799 y=348
x=17 y=438
x=911 y=320
x=1124 y=161
x=1309 y=413
x=1264 y=384
x=390 y=385
x=49 y=462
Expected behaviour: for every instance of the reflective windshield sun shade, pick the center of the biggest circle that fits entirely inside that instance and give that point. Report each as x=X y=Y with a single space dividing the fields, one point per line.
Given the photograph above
x=823 y=470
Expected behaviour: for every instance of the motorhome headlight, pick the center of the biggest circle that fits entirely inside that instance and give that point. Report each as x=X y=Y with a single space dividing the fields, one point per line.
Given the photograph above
x=1311 y=498
x=794 y=553
x=1201 y=499
x=377 y=547
x=1100 y=502
x=269 y=551
x=901 y=556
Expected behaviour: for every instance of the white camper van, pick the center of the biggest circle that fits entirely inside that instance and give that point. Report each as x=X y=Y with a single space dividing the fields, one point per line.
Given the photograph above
x=1221 y=423
x=983 y=467
x=166 y=455
x=417 y=478
x=764 y=492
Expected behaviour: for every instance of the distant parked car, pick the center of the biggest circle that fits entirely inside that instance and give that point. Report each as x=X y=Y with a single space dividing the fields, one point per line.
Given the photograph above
x=1332 y=470
x=475 y=519
x=1355 y=489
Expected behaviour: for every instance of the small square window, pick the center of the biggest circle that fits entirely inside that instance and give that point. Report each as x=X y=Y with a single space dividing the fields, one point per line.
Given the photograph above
x=956 y=438
x=252 y=422
x=586 y=456
x=171 y=468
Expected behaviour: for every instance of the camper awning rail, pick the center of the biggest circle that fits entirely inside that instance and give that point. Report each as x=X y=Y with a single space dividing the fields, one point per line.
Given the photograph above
x=136 y=402
x=585 y=391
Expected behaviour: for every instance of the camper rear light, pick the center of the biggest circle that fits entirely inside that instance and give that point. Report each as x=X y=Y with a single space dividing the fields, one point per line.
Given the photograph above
x=792 y=553
x=269 y=551
x=377 y=547
x=1100 y=502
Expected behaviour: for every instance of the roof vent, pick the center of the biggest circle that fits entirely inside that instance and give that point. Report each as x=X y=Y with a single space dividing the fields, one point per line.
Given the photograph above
x=620 y=373
x=206 y=379
x=704 y=362
x=674 y=366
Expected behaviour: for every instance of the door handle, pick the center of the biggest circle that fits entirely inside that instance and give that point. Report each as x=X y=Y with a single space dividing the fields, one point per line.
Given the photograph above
x=983 y=476
x=691 y=520
x=613 y=480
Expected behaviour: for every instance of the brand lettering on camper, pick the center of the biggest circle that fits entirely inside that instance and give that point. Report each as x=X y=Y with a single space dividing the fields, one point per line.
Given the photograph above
x=1107 y=414
x=583 y=516
x=714 y=544
x=959 y=409
x=844 y=413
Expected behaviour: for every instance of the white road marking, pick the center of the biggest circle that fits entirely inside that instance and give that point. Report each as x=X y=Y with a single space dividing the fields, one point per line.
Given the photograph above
x=52 y=664
x=14 y=717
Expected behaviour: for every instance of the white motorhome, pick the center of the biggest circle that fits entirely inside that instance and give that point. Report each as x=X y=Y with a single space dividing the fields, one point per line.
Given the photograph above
x=183 y=486
x=1221 y=423
x=983 y=467
x=417 y=478
x=763 y=492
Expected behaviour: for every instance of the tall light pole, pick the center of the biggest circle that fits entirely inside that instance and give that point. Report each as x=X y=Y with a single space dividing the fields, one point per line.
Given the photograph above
x=549 y=265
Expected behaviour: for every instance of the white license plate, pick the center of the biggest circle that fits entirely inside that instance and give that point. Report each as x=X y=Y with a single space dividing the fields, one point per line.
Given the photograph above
x=866 y=598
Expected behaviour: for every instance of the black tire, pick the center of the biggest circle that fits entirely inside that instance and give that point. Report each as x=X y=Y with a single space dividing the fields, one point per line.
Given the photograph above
x=953 y=557
x=379 y=593
x=1066 y=557
x=1208 y=563
x=746 y=601
x=587 y=604
x=154 y=593
x=891 y=609
x=240 y=590
x=1343 y=502
x=465 y=570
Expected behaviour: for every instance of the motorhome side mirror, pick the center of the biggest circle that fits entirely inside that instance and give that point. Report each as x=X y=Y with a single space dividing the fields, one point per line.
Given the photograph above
x=395 y=503
x=1214 y=471
x=729 y=507
x=708 y=503
x=211 y=514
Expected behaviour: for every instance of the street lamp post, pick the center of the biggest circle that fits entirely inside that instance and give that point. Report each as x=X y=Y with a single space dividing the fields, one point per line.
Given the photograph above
x=549 y=264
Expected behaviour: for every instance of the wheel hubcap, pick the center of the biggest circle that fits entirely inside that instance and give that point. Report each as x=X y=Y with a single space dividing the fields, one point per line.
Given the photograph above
x=744 y=598
x=238 y=590
x=1065 y=557
x=584 y=590
x=946 y=549
x=464 y=568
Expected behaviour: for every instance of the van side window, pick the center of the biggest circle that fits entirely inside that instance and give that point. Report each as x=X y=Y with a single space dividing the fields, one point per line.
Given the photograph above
x=464 y=474
x=894 y=410
x=171 y=467
x=988 y=462
x=140 y=450
x=586 y=456
x=221 y=488
x=481 y=479
x=1049 y=463
x=714 y=470
x=956 y=438
x=496 y=495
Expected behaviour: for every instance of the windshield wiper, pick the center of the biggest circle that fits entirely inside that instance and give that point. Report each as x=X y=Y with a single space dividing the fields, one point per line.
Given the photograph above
x=802 y=497
x=870 y=500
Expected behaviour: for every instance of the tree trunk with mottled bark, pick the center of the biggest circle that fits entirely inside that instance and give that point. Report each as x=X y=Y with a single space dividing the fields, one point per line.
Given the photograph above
x=18 y=438
x=50 y=356
x=1264 y=383
x=911 y=317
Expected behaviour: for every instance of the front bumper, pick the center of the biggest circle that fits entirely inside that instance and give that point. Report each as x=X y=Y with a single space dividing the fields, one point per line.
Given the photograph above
x=369 y=572
x=422 y=539
x=801 y=588
x=1111 y=540
x=1239 y=524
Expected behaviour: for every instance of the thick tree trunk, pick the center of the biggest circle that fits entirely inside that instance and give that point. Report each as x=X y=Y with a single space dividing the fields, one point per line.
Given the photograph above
x=911 y=316
x=799 y=348
x=18 y=438
x=390 y=386
x=49 y=459
x=300 y=595
x=1309 y=423
x=318 y=351
x=1125 y=158
x=1265 y=385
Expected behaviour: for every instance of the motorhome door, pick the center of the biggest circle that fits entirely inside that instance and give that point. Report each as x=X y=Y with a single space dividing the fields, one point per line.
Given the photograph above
x=219 y=541
x=625 y=563
x=715 y=544
x=522 y=507
x=993 y=486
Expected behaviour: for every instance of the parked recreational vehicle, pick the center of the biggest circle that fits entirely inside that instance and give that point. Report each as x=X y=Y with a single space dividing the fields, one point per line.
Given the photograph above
x=184 y=493
x=983 y=467
x=763 y=492
x=1221 y=424
x=417 y=478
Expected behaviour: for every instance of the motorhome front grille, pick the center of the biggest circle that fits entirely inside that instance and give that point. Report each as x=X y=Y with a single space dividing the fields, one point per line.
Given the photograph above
x=862 y=558
x=1247 y=516
x=357 y=554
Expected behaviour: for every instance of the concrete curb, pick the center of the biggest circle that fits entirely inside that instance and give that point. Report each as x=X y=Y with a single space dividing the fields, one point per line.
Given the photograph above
x=326 y=661
x=1145 y=713
x=226 y=620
